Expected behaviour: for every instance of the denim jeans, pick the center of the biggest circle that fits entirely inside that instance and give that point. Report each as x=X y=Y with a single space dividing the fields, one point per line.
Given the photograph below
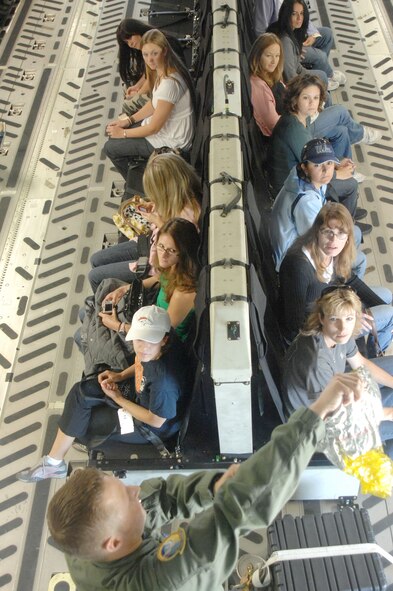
x=386 y=427
x=121 y=152
x=336 y=124
x=360 y=264
x=343 y=191
x=113 y=262
x=325 y=41
x=383 y=317
x=317 y=55
x=76 y=420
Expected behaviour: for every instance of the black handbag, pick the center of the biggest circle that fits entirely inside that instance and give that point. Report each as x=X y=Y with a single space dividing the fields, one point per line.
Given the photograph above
x=367 y=296
x=136 y=297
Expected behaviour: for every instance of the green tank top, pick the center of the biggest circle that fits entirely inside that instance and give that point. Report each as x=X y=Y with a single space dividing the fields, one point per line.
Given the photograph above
x=183 y=328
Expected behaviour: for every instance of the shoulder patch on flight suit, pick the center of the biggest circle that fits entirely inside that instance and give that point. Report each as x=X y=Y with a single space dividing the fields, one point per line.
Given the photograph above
x=172 y=546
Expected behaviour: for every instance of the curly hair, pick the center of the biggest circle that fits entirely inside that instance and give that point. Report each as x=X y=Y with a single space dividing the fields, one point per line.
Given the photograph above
x=262 y=43
x=296 y=86
x=184 y=275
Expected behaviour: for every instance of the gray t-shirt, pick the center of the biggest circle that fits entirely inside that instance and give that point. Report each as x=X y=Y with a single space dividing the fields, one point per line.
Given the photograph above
x=309 y=365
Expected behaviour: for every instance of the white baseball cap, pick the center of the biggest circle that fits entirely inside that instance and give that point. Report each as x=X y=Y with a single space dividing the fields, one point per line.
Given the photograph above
x=150 y=324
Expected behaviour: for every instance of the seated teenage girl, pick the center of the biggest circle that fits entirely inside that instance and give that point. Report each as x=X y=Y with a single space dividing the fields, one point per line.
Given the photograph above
x=173 y=189
x=178 y=269
x=167 y=119
x=154 y=399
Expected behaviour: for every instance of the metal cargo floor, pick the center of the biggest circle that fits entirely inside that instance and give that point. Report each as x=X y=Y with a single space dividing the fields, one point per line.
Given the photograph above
x=59 y=86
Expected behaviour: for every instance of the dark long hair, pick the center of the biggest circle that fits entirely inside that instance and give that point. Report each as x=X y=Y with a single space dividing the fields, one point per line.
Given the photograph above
x=186 y=238
x=131 y=64
x=283 y=25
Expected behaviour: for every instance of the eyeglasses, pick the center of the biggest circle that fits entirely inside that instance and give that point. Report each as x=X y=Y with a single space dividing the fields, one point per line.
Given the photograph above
x=340 y=235
x=170 y=251
x=333 y=288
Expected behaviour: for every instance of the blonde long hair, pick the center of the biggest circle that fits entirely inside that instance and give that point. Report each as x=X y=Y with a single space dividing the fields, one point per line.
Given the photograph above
x=260 y=44
x=172 y=184
x=334 y=300
x=342 y=262
x=171 y=62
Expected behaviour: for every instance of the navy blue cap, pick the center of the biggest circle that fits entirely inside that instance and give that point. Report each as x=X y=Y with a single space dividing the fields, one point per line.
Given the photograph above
x=318 y=151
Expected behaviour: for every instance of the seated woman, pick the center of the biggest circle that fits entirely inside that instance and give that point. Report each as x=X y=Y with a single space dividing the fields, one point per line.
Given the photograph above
x=167 y=119
x=176 y=261
x=322 y=350
x=320 y=38
x=153 y=398
x=101 y=337
x=131 y=65
x=291 y=26
x=303 y=100
x=174 y=190
x=324 y=255
x=267 y=92
x=301 y=198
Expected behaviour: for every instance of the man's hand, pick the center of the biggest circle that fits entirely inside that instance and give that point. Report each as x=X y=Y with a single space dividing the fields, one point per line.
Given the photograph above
x=230 y=473
x=343 y=388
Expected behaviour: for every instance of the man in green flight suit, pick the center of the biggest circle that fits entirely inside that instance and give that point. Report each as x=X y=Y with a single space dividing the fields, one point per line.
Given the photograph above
x=110 y=531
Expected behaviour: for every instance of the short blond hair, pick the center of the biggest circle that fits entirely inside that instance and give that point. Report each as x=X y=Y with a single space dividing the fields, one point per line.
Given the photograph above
x=334 y=300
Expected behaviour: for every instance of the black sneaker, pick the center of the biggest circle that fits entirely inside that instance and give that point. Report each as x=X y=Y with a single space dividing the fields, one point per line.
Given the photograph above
x=364 y=228
x=360 y=213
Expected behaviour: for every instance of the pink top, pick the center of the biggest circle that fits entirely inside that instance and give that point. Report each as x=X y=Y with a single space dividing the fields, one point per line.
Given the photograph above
x=264 y=105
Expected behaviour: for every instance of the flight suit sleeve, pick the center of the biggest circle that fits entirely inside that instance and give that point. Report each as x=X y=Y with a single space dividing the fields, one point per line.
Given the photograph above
x=177 y=496
x=203 y=553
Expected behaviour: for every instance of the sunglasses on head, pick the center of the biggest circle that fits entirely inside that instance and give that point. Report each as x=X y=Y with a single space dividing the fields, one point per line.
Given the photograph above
x=332 y=288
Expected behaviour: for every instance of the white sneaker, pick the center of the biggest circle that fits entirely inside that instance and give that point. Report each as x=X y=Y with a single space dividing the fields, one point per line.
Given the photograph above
x=42 y=471
x=332 y=84
x=359 y=177
x=339 y=77
x=370 y=136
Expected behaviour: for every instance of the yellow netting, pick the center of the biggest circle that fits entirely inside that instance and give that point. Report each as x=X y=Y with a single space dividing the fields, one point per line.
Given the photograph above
x=374 y=470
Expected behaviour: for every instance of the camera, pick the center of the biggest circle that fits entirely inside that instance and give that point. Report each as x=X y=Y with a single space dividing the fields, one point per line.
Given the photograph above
x=107 y=307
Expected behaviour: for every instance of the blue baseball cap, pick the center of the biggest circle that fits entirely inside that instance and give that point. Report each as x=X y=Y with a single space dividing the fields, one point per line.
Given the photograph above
x=318 y=151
